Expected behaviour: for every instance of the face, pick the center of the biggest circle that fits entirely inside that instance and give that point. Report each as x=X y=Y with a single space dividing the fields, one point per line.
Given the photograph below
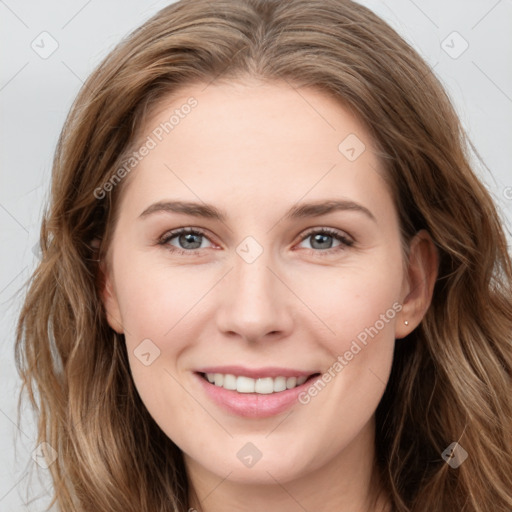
x=257 y=246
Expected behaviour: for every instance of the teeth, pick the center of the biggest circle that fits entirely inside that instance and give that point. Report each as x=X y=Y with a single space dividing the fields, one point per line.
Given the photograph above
x=229 y=382
x=245 y=385
x=291 y=382
x=279 y=384
x=263 y=386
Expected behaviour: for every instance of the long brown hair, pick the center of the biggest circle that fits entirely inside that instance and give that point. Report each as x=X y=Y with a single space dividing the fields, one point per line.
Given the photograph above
x=451 y=377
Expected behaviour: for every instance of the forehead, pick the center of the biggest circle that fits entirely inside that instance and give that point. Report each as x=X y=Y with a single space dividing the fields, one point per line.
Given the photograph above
x=247 y=140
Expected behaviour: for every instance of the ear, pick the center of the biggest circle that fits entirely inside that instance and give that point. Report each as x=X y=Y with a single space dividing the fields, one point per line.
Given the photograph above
x=421 y=276
x=108 y=297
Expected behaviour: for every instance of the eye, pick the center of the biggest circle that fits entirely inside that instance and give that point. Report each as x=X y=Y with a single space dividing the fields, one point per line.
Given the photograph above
x=189 y=239
x=322 y=239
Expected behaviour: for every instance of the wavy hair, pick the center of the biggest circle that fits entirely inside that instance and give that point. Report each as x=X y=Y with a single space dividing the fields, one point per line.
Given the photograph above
x=451 y=377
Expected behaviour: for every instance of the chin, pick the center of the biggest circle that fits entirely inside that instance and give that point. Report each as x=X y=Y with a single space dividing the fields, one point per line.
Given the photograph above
x=279 y=465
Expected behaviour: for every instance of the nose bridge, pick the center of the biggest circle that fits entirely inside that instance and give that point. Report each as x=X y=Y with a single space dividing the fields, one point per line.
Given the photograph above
x=255 y=302
x=254 y=281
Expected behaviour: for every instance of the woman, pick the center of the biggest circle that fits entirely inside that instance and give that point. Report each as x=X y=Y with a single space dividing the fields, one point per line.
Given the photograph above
x=255 y=369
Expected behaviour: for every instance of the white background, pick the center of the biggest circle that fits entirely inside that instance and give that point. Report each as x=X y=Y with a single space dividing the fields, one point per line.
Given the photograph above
x=36 y=93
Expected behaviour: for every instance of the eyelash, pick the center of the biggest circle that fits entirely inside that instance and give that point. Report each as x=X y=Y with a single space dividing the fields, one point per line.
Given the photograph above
x=345 y=242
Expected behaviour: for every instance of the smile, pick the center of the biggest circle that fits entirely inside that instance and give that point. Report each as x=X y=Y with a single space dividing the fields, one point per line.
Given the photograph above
x=254 y=392
x=262 y=386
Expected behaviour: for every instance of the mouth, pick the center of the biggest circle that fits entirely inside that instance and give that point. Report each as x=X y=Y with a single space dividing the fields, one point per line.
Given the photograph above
x=258 y=386
x=253 y=392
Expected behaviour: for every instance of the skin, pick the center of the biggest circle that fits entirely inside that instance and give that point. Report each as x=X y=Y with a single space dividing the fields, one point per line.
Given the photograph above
x=254 y=150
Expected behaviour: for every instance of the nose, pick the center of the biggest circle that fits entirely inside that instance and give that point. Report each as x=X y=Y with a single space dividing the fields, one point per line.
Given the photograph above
x=255 y=302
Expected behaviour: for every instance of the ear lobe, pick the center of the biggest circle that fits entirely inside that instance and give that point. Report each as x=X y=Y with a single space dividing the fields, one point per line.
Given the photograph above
x=109 y=298
x=422 y=271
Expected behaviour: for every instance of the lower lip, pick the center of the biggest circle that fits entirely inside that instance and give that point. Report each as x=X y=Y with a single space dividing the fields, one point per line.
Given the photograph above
x=253 y=405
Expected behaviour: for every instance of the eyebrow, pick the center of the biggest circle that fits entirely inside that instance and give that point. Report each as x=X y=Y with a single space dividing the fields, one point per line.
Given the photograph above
x=299 y=211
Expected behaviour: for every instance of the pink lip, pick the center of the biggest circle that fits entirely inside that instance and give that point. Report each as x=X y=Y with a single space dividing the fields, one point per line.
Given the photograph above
x=255 y=373
x=252 y=405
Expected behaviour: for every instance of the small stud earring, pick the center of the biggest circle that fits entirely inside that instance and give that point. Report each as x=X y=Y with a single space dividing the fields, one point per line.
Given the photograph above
x=406 y=322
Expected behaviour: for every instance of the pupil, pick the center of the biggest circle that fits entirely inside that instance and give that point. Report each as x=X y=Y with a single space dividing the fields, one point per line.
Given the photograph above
x=189 y=238
x=322 y=240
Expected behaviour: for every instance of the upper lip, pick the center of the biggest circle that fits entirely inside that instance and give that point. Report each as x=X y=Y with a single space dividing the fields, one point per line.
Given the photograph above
x=255 y=373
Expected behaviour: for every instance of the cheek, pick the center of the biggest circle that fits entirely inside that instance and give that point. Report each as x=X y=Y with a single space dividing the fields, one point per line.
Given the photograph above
x=156 y=299
x=157 y=307
x=358 y=306
x=161 y=307
x=353 y=302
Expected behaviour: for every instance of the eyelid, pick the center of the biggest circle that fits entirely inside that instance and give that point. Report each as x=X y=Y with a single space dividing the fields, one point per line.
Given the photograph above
x=179 y=231
x=169 y=235
x=344 y=239
x=336 y=233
